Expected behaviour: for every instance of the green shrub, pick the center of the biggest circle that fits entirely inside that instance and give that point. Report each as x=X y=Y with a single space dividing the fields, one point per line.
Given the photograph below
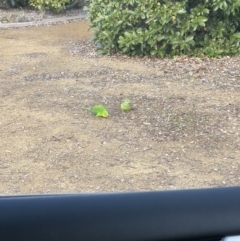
x=56 y=5
x=166 y=28
x=2 y=3
x=14 y=3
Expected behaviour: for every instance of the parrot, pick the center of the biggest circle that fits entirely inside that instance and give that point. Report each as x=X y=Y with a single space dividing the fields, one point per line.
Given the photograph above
x=98 y=110
x=126 y=105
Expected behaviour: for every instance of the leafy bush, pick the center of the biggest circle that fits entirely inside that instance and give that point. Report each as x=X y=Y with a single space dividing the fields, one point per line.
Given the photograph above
x=14 y=3
x=56 y=5
x=2 y=3
x=166 y=28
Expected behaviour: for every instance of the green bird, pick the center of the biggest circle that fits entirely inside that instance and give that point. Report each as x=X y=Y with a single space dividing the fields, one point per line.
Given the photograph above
x=98 y=110
x=126 y=105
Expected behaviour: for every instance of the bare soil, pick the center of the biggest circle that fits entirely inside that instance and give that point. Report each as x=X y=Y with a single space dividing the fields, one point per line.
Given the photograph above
x=183 y=131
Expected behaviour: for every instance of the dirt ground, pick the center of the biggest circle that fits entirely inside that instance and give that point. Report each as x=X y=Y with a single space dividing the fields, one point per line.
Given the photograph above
x=183 y=131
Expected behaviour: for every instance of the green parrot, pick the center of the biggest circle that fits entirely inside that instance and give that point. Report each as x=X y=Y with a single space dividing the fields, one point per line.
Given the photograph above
x=126 y=105
x=98 y=110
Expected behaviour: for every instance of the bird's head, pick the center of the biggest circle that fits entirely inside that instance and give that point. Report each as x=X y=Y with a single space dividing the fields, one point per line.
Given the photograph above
x=105 y=114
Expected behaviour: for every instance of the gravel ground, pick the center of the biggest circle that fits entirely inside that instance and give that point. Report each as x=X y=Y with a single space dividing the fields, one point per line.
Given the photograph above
x=183 y=131
x=15 y=18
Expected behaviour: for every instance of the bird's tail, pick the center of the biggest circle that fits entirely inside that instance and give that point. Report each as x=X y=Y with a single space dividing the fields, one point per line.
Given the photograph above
x=87 y=108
